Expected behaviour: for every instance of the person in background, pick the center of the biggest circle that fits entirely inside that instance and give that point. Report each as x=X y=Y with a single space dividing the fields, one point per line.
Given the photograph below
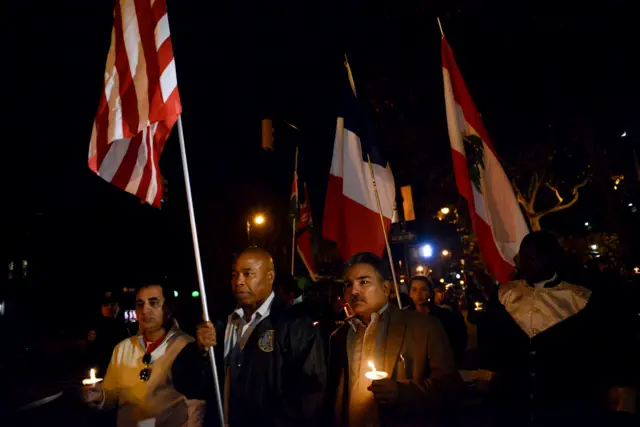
x=107 y=332
x=421 y=294
x=413 y=349
x=274 y=360
x=139 y=378
x=561 y=360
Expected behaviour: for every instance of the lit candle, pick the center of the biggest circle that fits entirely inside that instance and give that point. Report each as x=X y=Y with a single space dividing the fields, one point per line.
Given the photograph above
x=478 y=306
x=92 y=380
x=373 y=374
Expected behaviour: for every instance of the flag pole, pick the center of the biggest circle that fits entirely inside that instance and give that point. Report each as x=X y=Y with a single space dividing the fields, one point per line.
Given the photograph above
x=375 y=188
x=384 y=232
x=295 y=218
x=196 y=250
x=440 y=25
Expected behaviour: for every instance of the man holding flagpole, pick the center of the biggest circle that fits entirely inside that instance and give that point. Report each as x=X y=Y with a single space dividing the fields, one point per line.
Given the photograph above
x=274 y=361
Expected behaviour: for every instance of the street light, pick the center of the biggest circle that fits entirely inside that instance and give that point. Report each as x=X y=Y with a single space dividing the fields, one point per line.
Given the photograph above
x=445 y=211
x=259 y=220
x=420 y=269
x=427 y=251
x=446 y=253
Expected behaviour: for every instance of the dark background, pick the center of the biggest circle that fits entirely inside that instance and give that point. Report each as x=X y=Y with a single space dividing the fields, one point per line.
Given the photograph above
x=538 y=71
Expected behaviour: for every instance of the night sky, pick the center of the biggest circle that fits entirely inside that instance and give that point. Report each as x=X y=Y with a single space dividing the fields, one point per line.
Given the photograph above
x=533 y=68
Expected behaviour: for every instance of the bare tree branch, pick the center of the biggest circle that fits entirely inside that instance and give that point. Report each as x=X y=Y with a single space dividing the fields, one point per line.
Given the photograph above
x=555 y=190
x=560 y=206
x=526 y=204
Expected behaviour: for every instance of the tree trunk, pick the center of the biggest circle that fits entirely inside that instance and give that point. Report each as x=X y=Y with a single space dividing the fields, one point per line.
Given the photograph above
x=534 y=221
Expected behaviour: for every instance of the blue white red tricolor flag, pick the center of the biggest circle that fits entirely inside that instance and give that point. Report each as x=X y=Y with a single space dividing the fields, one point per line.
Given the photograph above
x=351 y=217
x=496 y=217
x=139 y=103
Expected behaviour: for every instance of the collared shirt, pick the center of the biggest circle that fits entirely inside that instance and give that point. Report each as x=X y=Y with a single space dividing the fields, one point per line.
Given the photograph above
x=364 y=345
x=236 y=320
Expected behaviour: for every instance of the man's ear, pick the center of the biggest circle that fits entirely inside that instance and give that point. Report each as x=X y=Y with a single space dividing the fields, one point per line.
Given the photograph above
x=271 y=276
x=387 y=288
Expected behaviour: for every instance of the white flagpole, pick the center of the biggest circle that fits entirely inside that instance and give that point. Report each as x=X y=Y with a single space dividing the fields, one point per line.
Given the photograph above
x=384 y=232
x=375 y=189
x=196 y=250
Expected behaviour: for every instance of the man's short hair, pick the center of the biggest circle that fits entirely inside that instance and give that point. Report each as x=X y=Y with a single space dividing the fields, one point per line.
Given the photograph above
x=543 y=242
x=256 y=251
x=170 y=305
x=373 y=260
x=424 y=279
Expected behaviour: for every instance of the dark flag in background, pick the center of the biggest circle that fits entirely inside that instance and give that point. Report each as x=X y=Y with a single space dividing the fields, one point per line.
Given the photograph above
x=301 y=212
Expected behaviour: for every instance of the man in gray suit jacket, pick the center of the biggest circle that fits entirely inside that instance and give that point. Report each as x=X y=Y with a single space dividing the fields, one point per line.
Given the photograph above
x=410 y=347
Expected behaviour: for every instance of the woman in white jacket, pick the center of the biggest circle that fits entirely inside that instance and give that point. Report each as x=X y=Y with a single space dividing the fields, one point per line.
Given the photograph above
x=139 y=380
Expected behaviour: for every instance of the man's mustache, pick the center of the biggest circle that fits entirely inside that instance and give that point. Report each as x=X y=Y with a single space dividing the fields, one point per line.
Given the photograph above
x=356 y=298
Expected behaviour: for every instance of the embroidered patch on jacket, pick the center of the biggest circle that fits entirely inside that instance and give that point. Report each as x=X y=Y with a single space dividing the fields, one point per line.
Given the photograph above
x=266 y=341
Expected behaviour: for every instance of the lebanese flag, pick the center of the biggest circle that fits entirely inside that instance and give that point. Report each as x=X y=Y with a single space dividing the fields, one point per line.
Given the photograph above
x=496 y=217
x=351 y=217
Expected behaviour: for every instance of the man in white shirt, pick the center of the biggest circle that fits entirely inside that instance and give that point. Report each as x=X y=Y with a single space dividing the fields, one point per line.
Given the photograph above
x=139 y=378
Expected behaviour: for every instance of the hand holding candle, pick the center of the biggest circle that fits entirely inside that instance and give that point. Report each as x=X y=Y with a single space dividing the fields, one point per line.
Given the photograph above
x=373 y=374
x=92 y=380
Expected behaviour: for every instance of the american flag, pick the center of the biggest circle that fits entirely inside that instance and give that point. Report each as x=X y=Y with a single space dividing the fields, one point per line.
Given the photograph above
x=139 y=103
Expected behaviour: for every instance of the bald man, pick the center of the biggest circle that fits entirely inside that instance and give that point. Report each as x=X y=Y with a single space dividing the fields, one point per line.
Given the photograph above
x=274 y=362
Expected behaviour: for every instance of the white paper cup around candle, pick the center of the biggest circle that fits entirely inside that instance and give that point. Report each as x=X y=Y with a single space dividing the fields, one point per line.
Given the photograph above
x=92 y=380
x=373 y=374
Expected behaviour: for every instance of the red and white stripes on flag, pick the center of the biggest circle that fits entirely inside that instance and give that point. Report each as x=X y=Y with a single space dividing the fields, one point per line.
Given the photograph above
x=140 y=101
x=496 y=217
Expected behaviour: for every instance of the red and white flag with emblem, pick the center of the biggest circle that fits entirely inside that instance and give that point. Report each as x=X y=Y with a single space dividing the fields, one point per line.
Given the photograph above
x=139 y=103
x=496 y=217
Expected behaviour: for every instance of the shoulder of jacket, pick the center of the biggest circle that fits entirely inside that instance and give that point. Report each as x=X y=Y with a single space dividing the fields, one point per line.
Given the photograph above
x=575 y=289
x=505 y=288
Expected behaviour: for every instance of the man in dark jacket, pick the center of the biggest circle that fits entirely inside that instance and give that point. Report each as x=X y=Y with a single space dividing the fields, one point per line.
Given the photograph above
x=411 y=348
x=274 y=364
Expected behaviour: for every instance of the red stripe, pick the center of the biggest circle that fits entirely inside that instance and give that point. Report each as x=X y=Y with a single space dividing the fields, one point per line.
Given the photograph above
x=461 y=172
x=128 y=96
x=462 y=96
x=129 y=162
x=146 y=28
x=499 y=267
x=102 y=133
x=353 y=227
x=305 y=251
x=158 y=11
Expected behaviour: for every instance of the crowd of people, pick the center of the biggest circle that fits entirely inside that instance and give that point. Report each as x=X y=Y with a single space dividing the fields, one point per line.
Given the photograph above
x=551 y=353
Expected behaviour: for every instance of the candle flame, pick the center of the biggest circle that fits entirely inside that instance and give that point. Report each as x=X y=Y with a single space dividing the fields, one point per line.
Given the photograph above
x=372 y=366
x=92 y=374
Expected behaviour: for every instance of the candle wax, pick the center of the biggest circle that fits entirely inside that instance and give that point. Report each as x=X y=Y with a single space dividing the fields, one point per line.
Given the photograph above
x=375 y=375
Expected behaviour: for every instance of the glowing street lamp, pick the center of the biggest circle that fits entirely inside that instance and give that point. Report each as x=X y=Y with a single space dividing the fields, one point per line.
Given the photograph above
x=259 y=219
x=426 y=251
x=446 y=253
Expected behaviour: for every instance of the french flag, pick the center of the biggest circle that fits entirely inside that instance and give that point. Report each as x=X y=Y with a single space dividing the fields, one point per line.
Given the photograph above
x=351 y=216
x=495 y=214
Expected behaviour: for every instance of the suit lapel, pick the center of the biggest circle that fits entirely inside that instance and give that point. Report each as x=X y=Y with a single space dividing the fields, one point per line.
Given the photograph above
x=395 y=339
